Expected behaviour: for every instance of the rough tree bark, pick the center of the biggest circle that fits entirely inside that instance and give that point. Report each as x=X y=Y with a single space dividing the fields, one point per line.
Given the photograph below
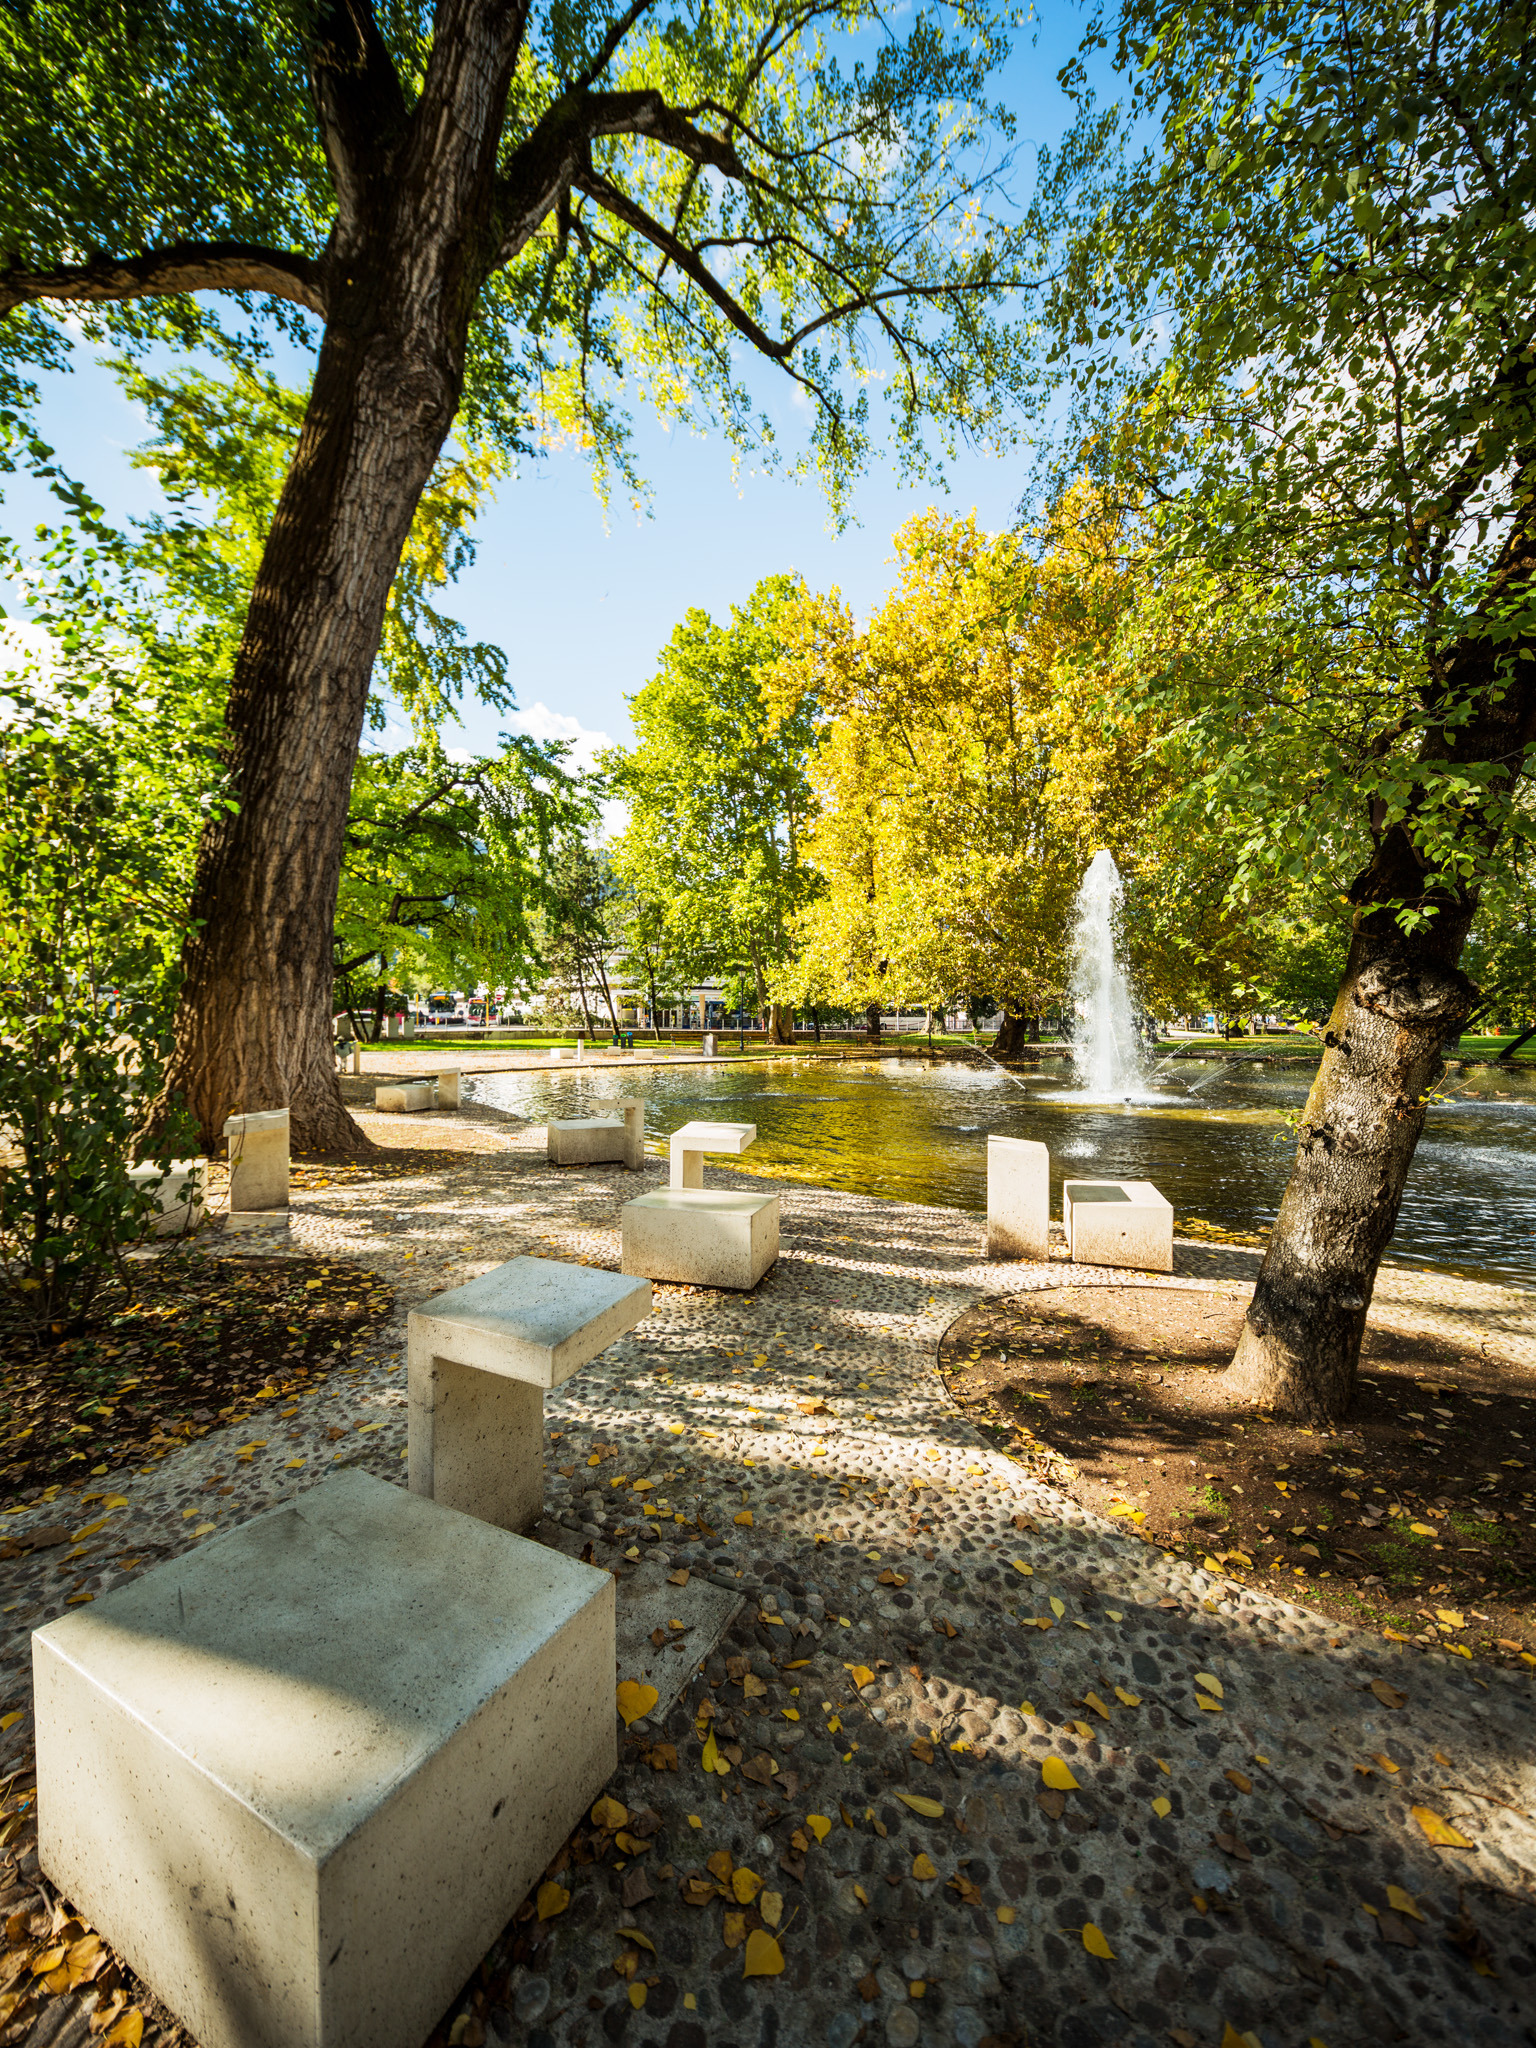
x=1011 y=1036
x=1401 y=992
x=781 y=1024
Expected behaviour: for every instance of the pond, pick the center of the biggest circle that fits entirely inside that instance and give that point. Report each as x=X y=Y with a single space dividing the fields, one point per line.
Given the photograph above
x=1216 y=1140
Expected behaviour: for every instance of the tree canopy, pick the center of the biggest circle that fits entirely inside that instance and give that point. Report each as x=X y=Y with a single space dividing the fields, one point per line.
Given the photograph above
x=671 y=181
x=718 y=798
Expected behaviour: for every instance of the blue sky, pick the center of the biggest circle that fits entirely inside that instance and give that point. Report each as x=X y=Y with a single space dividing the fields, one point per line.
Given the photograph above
x=582 y=603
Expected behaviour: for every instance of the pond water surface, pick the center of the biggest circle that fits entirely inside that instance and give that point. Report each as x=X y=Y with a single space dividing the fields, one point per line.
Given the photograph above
x=918 y=1133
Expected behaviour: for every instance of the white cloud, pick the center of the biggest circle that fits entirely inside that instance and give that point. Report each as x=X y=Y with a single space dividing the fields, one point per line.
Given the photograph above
x=540 y=723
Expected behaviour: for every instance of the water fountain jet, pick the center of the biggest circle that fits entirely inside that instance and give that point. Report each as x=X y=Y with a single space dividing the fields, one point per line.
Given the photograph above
x=1105 y=1049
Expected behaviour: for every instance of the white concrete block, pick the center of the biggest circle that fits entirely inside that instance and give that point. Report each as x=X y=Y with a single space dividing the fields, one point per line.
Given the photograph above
x=478 y=1361
x=301 y=1776
x=1118 y=1223
x=1018 y=1199
x=711 y=1237
x=447 y=1080
x=182 y=1190
x=258 y=1161
x=616 y=1133
x=404 y=1097
x=688 y=1146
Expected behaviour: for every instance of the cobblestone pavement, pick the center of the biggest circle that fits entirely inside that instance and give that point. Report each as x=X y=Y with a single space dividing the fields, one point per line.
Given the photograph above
x=994 y=1767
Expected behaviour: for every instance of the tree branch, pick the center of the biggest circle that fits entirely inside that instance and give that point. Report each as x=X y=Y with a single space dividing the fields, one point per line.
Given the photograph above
x=179 y=267
x=358 y=100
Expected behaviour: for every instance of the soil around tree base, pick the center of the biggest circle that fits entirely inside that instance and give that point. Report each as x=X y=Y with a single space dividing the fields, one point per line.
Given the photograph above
x=1416 y=1516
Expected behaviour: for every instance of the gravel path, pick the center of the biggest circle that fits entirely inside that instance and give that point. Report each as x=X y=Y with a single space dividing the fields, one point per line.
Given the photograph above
x=925 y=1628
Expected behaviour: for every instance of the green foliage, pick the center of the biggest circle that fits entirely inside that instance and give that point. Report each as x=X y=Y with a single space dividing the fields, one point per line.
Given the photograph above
x=89 y=909
x=678 y=183
x=443 y=871
x=220 y=449
x=718 y=799
x=1302 y=325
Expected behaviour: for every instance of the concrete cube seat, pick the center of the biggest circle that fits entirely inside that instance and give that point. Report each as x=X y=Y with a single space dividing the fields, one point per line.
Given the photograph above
x=1018 y=1199
x=688 y=1146
x=479 y=1359
x=1118 y=1223
x=405 y=1097
x=615 y=1134
x=711 y=1237
x=302 y=1776
x=182 y=1190
x=258 y=1170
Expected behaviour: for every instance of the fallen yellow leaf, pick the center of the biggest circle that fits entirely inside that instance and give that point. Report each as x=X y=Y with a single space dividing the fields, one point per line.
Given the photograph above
x=635 y=1701
x=1058 y=1775
x=1450 y=1617
x=744 y=1521
x=128 y=2031
x=1162 y=1808
x=552 y=1899
x=1006 y=1915
x=930 y=1809
x=1020 y=1566
x=771 y=1906
x=1439 y=1831
x=642 y=1940
x=1058 y=1607
x=637 y=1996
x=1127 y=1699
x=1096 y=1945
x=609 y=1814
x=746 y=1884
x=860 y=1674
x=764 y=1957
x=923 y=1868
x=819 y=1825
x=1403 y=1902
x=1210 y=1682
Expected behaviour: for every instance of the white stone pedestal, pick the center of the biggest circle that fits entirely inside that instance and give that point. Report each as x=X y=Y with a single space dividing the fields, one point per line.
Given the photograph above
x=1018 y=1199
x=258 y=1170
x=709 y=1237
x=301 y=1776
x=447 y=1079
x=615 y=1134
x=1118 y=1223
x=405 y=1097
x=688 y=1146
x=183 y=1190
x=479 y=1359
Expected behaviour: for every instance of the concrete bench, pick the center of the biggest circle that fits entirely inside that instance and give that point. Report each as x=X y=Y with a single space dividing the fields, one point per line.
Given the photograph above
x=183 y=1188
x=301 y=1777
x=1118 y=1223
x=706 y=1237
x=479 y=1360
x=1018 y=1199
x=688 y=1146
x=258 y=1170
x=405 y=1097
x=617 y=1132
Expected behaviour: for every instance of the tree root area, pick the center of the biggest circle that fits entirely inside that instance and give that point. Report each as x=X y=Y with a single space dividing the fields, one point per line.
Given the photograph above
x=1416 y=1517
x=190 y=1342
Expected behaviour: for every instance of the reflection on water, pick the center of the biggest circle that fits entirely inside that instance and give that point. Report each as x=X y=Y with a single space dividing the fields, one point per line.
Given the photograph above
x=918 y=1133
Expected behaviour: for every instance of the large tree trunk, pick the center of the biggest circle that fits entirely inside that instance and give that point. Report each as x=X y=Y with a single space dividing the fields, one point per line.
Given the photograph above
x=251 y=1027
x=414 y=237
x=1401 y=993
x=1010 y=1039
x=781 y=1024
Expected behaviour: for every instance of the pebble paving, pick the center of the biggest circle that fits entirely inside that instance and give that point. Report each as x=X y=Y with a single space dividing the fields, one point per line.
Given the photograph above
x=922 y=1622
